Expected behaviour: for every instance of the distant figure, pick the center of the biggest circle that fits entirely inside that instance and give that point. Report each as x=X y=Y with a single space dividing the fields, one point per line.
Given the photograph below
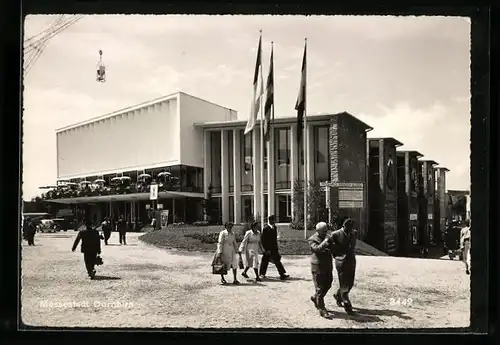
x=227 y=250
x=122 y=230
x=270 y=243
x=30 y=232
x=465 y=244
x=91 y=247
x=106 y=230
x=250 y=247
x=344 y=244
x=321 y=266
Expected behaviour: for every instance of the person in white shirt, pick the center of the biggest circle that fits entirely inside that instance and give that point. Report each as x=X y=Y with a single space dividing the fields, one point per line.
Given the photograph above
x=250 y=247
x=465 y=245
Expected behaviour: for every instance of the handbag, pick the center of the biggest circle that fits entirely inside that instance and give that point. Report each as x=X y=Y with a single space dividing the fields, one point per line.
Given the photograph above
x=98 y=260
x=218 y=267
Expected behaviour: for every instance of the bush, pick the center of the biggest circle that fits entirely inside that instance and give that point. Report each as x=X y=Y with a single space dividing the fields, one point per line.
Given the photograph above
x=201 y=223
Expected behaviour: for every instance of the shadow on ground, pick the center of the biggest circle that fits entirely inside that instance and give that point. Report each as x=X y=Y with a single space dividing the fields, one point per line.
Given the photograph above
x=106 y=278
x=366 y=315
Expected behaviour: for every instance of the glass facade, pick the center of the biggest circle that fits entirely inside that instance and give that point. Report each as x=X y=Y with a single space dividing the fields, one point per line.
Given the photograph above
x=282 y=158
x=231 y=208
x=215 y=161
x=246 y=207
x=321 y=154
x=246 y=162
x=283 y=208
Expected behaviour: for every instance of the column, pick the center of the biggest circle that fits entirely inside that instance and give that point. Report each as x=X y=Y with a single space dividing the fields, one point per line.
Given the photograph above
x=224 y=151
x=206 y=166
x=237 y=175
x=256 y=171
x=271 y=164
x=294 y=163
x=442 y=198
x=467 y=206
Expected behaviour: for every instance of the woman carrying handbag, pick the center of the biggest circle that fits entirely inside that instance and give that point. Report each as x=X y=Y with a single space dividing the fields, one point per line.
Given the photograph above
x=226 y=255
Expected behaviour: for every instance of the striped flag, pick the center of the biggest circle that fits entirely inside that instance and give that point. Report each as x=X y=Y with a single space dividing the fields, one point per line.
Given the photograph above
x=269 y=106
x=300 y=105
x=258 y=90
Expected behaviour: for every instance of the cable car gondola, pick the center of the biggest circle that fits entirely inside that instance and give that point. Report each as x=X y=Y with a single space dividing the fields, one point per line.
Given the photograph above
x=101 y=69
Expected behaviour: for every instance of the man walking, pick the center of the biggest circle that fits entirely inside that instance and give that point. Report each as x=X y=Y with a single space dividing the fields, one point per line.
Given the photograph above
x=269 y=240
x=91 y=247
x=106 y=230
x=344 y=244
x=122 y=230
x=321 y=265
x=30 y=232
x=465 y=244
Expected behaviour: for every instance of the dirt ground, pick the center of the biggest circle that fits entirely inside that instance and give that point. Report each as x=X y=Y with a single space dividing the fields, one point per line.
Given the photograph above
x=144 y=286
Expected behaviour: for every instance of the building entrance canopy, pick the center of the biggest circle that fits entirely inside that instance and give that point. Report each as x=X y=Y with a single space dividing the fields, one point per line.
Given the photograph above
x=125 y=197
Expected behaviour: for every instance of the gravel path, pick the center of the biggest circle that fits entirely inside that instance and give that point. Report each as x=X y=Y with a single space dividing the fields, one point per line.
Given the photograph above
x=144 y=286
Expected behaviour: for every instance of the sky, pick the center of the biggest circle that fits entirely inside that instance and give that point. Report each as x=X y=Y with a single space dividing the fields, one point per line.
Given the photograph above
x=408 y=77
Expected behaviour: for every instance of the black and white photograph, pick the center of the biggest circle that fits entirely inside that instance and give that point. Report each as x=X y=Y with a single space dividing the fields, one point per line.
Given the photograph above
x=246 y=171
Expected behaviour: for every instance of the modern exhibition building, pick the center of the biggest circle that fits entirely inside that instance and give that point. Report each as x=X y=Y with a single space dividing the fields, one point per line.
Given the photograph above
x=192 y=147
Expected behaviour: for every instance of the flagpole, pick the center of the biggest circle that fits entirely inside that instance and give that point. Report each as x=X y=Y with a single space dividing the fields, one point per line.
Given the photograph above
x=262 y=222
x=305 y=138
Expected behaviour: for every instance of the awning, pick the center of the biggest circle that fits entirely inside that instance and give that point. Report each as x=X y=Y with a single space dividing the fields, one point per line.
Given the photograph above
x=125 y=197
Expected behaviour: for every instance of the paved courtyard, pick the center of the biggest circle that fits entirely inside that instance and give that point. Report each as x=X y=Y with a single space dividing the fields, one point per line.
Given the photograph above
x=144 y=286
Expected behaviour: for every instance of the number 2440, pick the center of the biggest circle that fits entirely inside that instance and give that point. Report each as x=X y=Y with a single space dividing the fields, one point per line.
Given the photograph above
x=407 y=302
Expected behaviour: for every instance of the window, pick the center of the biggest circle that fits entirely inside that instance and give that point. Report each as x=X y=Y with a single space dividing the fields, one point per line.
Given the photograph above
x=215 y=161
x=321 y=153
x=282 y=153
x=230 y=163
x=231 y=208
x=283 y=208
x=246 y=162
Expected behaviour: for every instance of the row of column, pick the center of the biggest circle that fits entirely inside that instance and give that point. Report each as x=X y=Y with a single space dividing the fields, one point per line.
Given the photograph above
x=256 y=168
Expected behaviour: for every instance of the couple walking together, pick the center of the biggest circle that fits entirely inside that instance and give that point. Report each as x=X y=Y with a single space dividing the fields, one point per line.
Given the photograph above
x=229 y=254
x=340 y=244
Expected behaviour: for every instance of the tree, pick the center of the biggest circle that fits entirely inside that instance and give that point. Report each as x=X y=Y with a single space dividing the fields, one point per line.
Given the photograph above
x=316 y=205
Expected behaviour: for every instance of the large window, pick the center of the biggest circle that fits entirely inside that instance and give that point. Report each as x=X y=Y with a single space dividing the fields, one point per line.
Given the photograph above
x=246 y=207
x=283 y=208
x=282 y=158
x=246 y=162
x=215 y=161
x=231 y=208
x=230 y=161
x=321 y=154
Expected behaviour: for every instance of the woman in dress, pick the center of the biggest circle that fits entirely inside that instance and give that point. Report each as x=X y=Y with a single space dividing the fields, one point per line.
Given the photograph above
x=227 y=250
x=250 y=246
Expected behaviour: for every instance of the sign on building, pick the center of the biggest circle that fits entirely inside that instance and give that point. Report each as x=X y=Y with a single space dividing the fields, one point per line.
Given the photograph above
x=153 y=192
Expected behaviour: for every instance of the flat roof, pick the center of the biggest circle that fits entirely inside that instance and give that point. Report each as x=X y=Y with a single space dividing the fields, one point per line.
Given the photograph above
x=279 y=120
x=413 y=152
x=391 y=140
x=134 y=107
x=429 y=161
x=124 y=197
x=443 y=168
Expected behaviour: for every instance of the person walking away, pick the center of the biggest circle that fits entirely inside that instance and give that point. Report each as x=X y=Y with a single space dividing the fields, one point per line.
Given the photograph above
x=30 y=232
x=465 y=244
x=250 y=247
x=122 y=230
x=106 y=230
x=227 y=250
x=91 y=247
x=344 y=244
x=269 y=240
x=321 y=266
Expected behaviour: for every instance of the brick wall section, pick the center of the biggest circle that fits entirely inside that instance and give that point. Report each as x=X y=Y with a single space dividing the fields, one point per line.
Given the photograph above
x=348 y=160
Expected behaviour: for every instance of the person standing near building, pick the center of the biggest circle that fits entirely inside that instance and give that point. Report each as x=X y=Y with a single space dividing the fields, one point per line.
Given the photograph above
x=106 y=230
x=465 y=244
x=269 y=240
x=122 y=230
x=30 y=232
x=250 y=247
x=344 y=245
x=321 y=266
x=91 y=247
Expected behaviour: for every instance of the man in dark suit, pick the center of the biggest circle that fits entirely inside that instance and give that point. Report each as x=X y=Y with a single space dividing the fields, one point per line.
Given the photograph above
x=269 y=240
x=321 y=265
x=91 y=247
x=106 y=230
x=344 y=244
x=122 y=230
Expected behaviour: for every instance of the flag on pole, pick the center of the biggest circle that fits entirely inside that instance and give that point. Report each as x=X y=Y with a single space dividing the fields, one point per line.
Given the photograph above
x=268 y=118
x=300 y=106
x=258 y=90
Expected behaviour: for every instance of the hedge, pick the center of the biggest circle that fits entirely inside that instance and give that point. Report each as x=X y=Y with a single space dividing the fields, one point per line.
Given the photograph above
x=204 y=239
